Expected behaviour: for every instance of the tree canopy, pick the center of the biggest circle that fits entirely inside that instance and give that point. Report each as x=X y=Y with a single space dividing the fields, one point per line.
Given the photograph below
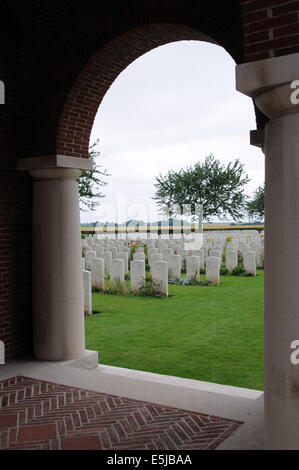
x=89 y=182
x=218 y=188
x=256 y=207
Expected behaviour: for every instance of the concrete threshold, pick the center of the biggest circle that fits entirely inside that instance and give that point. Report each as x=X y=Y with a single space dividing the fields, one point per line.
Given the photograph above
x=214 y=399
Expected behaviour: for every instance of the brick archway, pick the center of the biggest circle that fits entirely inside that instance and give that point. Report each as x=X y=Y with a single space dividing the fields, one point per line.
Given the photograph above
x=84 y=61
x=86 y=94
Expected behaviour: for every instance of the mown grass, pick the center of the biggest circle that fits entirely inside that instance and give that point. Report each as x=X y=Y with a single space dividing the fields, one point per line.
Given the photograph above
x=212 y=334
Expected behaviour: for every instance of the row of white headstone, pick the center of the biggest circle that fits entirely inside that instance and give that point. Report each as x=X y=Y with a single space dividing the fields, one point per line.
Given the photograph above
x=166 y=257
x=94 y=277
x=111 y=249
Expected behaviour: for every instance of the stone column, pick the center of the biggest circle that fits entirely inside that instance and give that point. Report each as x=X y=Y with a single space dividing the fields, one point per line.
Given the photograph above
x=58 y=321
x=269 y=83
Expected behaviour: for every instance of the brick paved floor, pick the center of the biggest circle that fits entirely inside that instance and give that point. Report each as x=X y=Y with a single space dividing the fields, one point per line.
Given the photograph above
x=35 y=414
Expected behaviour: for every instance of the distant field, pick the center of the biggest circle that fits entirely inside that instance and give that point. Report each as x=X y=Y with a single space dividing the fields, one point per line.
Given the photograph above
x=213 y=334
x=206 y=227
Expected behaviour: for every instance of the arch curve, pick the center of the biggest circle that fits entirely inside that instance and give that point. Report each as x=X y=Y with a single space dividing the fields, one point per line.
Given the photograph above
x=96 y=77
x=99 y=43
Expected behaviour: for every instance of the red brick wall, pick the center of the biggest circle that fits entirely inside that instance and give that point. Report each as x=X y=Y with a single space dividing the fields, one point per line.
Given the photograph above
x=271 y=28
x=15 y=207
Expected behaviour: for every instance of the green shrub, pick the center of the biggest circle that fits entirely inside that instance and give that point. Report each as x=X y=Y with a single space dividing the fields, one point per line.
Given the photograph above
x=116 y=287
x=223 y=271
x=149 y=288
x=203 y=271
x=238 y=270
x=96 y=289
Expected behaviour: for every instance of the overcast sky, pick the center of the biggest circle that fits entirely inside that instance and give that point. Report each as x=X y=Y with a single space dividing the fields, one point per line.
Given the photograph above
x=168 y=110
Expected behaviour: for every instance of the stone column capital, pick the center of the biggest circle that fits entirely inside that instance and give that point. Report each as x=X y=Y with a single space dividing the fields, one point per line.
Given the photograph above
x=54 y=162
x=272 y=83
x=45 y=174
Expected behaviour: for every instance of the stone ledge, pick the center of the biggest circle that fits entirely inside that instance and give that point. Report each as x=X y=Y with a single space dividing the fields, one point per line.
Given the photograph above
x=54 y=161
x=88 y=361
x=255 y=77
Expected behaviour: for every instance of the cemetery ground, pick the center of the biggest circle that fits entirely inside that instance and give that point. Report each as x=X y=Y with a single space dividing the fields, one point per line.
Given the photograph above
x=212 y=333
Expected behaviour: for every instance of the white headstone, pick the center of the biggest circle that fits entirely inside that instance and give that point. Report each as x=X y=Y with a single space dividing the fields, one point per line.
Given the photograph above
x=174 y=266
x=193 y=266
x=249 y=262
x=150 y=253
x=212 y=270
x=117 y=270
x=137 y=274
x=87 y=292
x=89 y=257
x=114 y=250
x=98 y=273
x=125 y=257
x=139 y=256
x=107 y=259
x=166 y=253
x=217 y=254
x=231 y=260
x=100 y=251
x=156 y=258
x=161 y=276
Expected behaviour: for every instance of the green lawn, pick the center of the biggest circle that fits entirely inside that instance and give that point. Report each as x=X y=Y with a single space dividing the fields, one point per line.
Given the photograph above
x=213 y=334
